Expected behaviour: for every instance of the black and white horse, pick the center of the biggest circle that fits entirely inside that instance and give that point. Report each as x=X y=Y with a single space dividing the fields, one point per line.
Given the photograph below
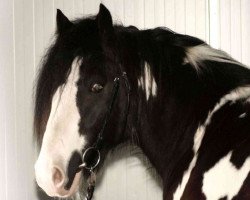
x=185 y=104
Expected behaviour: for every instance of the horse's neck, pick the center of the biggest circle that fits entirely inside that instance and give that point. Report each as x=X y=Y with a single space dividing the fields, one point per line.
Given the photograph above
x=166 y=131
x=168 y=108
x=166 y=126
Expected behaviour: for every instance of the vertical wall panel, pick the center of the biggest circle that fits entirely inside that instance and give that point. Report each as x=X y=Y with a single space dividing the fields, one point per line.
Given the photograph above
x=129 y=13
x=170 y=14
x=190 y=24
x=149 y=11
x=136 y=176
x=139 y=14
x=68 y=8
x=39 y=21
x=245 y=27
x=159 y=6
x=28 y=68
x=235 y=29
x=2 y=126
x=20 y=95
x=214 y=23
x=7 y=61
x=59 y=4
x=91 y=7
x=7 y=137
x=114 y=172
x=118 y=7
x=48 y=22
x=180 y=14
x=225 y=25
x=201 y=13
x=2 y=136
x=78 y=8
x=229 y=27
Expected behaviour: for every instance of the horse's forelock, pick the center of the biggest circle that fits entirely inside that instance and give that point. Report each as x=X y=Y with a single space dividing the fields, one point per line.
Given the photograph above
x=51 y=75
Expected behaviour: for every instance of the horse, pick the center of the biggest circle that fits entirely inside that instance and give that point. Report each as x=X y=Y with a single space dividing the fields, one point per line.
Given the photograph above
x=184 y=103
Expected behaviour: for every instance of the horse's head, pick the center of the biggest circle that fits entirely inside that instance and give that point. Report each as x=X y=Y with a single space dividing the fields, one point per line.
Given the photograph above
x=73 y=95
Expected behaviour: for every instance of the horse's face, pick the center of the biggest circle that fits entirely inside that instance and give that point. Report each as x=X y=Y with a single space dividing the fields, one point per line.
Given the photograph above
x=73 y=94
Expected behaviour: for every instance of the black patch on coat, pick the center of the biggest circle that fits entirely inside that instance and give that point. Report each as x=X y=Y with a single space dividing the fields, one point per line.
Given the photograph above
x=74 y=162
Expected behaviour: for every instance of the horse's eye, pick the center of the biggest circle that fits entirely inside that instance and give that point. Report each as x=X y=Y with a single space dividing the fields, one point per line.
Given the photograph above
x=96 y=87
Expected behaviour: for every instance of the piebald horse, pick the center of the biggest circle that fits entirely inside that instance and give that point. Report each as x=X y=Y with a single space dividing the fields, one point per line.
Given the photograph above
x=184 y=103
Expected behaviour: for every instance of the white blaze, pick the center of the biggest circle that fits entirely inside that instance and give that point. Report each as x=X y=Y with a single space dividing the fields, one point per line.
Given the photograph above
x=61 y=137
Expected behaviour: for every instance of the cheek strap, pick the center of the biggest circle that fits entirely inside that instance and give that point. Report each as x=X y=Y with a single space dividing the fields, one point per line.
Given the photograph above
x=99 y=142
x=91 y=156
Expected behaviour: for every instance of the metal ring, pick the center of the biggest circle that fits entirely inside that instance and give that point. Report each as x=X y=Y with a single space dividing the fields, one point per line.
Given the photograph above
x=97 y=161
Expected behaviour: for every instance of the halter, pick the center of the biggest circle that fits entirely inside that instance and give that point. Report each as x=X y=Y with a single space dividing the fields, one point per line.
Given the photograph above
x=94 y=151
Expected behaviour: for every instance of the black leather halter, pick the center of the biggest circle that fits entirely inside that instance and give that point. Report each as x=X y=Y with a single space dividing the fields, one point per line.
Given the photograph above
x=116 y=86
x=93 y=152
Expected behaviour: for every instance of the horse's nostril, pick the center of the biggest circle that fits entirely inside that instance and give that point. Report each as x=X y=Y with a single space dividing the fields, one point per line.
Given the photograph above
x=58 y=177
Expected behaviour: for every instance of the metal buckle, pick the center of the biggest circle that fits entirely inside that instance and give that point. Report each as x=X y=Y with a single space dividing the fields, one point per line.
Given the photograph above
x=87 y=152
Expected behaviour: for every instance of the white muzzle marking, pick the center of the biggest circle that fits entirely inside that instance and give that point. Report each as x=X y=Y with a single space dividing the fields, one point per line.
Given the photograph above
x=61 y=139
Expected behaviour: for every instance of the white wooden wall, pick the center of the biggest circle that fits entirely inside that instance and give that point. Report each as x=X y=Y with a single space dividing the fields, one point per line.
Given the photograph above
x=26 y=29
x=230 y=27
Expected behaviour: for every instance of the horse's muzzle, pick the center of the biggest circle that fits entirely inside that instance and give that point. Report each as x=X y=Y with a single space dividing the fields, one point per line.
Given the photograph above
x=53 y=182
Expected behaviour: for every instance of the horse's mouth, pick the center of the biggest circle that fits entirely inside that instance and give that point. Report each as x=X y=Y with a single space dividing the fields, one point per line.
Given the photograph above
x=74 y=174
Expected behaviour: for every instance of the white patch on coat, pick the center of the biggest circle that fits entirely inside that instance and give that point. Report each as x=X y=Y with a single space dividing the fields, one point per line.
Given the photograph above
x=234 y=95
x=243 y=115
x=141 y=83
x=224 y=179
x=147 y=82
x=61 y=137
x=197 y=142
x=197 y=54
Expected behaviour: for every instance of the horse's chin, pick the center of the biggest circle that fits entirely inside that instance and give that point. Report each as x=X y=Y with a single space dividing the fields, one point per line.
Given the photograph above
x=63 y=193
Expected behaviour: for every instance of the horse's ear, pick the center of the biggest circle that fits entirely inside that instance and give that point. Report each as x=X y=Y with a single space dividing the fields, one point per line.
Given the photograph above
x=104 y=21
x=62 y=22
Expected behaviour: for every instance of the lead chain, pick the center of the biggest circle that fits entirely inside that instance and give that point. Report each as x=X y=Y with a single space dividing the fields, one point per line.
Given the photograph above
x=91 y=185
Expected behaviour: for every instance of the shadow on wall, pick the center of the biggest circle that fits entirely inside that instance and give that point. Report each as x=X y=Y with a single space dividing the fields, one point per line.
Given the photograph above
x=119 y=153
x=124 y=151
